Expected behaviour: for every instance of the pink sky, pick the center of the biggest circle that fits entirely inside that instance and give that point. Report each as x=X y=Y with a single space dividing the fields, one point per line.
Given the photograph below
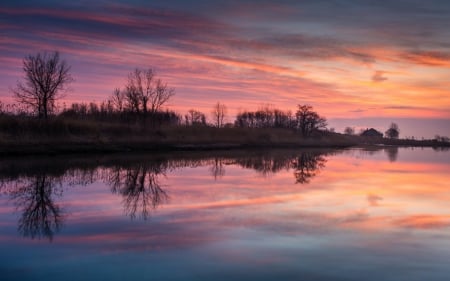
x=351 y=61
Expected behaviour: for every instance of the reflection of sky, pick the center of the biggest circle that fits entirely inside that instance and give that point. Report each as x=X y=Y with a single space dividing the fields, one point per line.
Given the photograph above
x=361 y=217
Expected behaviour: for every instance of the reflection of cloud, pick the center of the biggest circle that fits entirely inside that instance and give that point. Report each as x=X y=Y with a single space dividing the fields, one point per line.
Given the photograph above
x=424 y=221
x=378 y=76
x=245 y=202
x=354 y=217
x=373 y=199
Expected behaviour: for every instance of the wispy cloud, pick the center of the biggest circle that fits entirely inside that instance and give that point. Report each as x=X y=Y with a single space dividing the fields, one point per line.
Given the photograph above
x=424 y=221
x=282 y=52
x=429 y=58
x=378 y=76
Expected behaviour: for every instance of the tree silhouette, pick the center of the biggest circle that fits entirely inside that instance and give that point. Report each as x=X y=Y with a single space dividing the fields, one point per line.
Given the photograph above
x=118 y=100
x=218 y=113
x=349 y=131
x=309 y=121
x=195 y=117
x=144 y=93
x=265 y=117
x=46 y=77
x=393 y=132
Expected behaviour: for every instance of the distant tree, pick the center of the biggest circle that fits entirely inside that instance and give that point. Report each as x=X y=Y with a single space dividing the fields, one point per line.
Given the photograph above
x=118 y=99
x=442 y=138
x=218 y=113
x=308 y=120
x=194 y=117
x=349 y=131
x=393 y=131
x=46 y=78
x=265 y=118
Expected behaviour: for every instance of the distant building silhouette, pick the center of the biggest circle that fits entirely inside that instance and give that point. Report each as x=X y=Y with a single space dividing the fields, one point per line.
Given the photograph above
x=371 y=133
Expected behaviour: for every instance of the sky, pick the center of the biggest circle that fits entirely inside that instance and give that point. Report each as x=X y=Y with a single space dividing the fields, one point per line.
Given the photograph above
x=362 y=63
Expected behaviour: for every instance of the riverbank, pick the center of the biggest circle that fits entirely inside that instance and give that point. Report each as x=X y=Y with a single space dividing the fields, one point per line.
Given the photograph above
x=78 y=136
x=182 y=141
x=179 y=139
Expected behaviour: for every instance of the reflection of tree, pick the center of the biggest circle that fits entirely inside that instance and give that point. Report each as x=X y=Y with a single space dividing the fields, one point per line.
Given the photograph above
x=306 y=166
x=305 y=163
x=266 y=164
x=139 y=185
x=392 y=153
x=41 y=217
x=441 y=148
x=33 y=185
x=217 y=168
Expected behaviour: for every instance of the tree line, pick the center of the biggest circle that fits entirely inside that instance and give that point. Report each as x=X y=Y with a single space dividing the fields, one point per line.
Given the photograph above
x=47 y=77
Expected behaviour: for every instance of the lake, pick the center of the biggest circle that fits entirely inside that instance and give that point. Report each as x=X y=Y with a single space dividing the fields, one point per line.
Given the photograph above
x=355 y=214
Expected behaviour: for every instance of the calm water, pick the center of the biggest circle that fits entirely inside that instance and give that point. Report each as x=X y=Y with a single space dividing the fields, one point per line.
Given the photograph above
x=274 y=215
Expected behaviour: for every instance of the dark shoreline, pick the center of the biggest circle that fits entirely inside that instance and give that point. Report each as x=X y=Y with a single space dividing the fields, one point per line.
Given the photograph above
x=79 y=148
x=67 y=148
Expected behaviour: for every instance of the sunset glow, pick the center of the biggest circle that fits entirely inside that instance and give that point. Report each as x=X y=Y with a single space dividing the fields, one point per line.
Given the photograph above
x=351 y=60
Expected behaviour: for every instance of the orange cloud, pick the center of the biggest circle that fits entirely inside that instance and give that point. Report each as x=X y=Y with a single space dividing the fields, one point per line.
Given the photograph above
x=424 y=221
x=429 y=58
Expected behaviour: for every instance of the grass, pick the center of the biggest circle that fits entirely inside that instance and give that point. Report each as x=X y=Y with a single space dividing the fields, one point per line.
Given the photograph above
x=24 y=135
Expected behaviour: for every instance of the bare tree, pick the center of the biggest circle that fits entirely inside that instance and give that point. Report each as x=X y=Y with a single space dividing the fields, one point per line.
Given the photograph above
x=161 y=95
x=195 y=117
x=118 y=99
x=308 y=120
x=134 y=90
x=219 y=111
x=144 y=93
x=46 y=78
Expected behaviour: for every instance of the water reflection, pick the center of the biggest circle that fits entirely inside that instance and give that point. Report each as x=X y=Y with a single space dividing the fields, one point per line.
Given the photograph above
x=41 y=216
x=139 y=186
x=247 y=214
x=392 y=153
x=35 y=186
x=270 y=162
x=217 y=168
x=307 y=165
